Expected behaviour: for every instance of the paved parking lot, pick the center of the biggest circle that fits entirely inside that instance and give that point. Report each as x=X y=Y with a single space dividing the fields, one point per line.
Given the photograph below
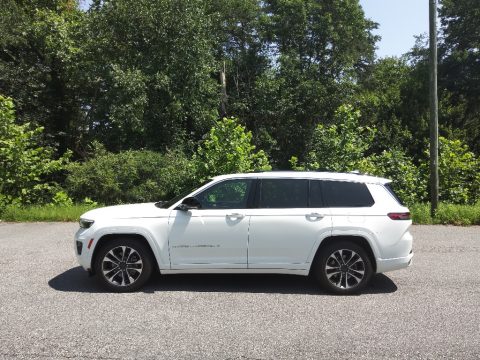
x=49 y=308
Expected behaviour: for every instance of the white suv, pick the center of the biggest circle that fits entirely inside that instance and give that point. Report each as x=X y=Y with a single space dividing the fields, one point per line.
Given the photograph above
x=341 y=228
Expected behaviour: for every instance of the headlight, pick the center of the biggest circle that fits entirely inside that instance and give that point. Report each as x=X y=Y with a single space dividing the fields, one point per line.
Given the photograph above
x=85 y=223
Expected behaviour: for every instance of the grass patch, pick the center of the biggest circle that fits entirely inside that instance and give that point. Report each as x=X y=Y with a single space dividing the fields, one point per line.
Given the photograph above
x=44 y=213
x=447 y=214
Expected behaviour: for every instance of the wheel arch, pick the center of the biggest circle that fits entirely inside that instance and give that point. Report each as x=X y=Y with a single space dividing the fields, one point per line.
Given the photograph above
x=359 y=240
x=104 y=239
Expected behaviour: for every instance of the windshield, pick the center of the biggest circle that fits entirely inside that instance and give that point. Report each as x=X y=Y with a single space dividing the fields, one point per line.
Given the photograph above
x=167 y=204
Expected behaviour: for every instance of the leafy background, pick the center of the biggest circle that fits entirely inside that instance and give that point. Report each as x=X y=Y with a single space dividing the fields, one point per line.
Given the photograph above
x=124 y=102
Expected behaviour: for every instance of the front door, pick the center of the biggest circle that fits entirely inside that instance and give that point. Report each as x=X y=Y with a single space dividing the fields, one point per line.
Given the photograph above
x=216 y=235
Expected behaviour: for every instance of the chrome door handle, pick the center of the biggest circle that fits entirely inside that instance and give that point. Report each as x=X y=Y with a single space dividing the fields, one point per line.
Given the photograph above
x=235 y=216
x=315 y=216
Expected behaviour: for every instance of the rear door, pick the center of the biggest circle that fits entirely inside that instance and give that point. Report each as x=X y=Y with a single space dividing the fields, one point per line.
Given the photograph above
x=287 y=224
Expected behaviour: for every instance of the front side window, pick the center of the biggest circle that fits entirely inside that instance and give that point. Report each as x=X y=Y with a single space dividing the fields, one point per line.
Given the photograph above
x=283 y=193
x=346 y=194
x=229 y=194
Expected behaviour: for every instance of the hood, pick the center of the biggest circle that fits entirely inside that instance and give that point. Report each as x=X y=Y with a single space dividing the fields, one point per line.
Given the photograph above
x=146 y=210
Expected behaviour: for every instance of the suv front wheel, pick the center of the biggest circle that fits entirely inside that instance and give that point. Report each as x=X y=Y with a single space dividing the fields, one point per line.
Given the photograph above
x=123 y=265
x=343 y=268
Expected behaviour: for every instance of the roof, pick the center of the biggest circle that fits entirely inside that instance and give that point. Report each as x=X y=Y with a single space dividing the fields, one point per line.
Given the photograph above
x=354 y=177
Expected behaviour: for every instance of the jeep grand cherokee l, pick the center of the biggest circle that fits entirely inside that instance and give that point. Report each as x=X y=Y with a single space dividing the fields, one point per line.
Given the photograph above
x=340 y=228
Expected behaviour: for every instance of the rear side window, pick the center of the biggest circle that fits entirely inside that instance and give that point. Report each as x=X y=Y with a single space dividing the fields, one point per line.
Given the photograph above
x=346 y=194
x=283 y=193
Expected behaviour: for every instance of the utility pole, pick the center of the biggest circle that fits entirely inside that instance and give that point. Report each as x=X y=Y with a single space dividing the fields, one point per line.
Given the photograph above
x=224 y=97
x=433 y=109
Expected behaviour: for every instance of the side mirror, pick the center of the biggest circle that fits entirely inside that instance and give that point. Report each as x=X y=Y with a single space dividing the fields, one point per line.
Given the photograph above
x=189 y=203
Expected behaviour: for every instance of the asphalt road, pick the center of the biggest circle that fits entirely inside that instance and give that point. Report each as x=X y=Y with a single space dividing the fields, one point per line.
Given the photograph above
x=49 y=308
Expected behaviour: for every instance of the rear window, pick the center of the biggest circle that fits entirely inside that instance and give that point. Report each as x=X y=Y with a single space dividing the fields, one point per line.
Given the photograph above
x=346 y=194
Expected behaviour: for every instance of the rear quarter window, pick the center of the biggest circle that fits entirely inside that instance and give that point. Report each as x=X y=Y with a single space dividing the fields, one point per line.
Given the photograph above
x=346 y=194
x=392 y=192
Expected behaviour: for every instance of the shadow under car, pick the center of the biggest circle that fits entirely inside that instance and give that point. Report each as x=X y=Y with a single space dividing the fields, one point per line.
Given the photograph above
x=77 y=280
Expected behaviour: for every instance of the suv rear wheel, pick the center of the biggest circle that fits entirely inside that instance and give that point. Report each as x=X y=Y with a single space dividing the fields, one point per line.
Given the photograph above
x=123 y=265
x=343 y=268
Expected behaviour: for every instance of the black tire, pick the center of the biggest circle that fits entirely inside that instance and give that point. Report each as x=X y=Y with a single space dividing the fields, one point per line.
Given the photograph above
x=107 y=263
x=342 y=276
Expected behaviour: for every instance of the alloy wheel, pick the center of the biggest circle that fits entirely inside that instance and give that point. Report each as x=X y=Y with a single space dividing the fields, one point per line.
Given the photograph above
x=122 y=266
x=345 y=269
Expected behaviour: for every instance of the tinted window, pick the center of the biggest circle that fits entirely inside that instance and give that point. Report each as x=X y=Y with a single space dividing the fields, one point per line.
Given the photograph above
x=316 y=199
x=167 y=204
x=346 y=194
x=284 y=193
x=230 y=194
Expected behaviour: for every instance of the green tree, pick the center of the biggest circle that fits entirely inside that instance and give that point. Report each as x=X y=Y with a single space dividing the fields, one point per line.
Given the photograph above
x=240 y=48
x=24 y=164
x=380 y=99
x=341 y=146
x=129 y=176
x=147 y=73
x=460 y=66
x=408 y=181
x=318 y=49
x=37 y=65
x=346 y=146
x=459 y=172
x=228 y=149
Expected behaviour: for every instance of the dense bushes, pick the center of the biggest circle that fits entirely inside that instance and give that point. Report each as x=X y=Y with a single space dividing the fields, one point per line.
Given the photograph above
x=24 y=163
x=228 y=149
x=129 y=176
x=345 y=146
x=142 y=176
x=459 y=173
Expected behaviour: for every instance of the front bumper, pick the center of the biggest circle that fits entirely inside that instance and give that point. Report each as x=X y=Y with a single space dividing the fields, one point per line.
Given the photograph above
x=82 y=252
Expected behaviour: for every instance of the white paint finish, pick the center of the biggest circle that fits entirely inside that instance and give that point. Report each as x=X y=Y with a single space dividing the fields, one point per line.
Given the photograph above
x=285 y=237
x=208 y=238
x=289 y=271
x=268 y=240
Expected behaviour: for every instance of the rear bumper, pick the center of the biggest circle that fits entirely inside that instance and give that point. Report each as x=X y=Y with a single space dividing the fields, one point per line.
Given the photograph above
x=384 y=265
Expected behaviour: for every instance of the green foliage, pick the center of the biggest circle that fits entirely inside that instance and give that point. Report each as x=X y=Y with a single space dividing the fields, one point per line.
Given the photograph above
x=146 y=72
x=129 y=176
x=228 y=149
x=447 y=214
x=341 y=146
x=380 y=99
x=137 y=74
x=344 y=145
x=459 y=173
x=61 y=198
x=37 y=66
x=459 y=68
x=407 y=180
x=24 y=164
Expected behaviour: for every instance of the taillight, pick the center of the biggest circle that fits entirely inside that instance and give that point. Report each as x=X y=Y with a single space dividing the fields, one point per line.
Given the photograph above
x=399 y=216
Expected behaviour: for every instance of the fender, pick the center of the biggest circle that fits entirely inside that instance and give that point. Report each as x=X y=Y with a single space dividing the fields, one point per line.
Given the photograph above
x=161 y=257
x=348 y=231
